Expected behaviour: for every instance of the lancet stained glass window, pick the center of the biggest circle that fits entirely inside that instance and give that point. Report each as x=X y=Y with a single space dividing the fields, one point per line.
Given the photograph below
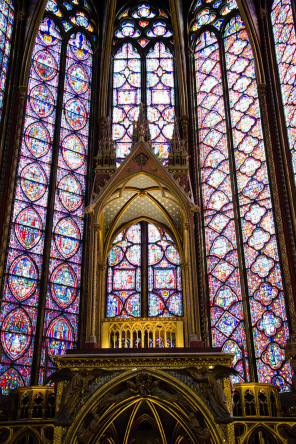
x=144 y=249
x=234 y=175
x=43 y=140
x=143 y=55
x=6 y=28
x=285 y=47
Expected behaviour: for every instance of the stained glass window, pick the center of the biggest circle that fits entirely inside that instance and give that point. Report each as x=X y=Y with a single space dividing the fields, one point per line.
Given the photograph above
x=29 y=266
x=144 y=249
x=285 y=47
x=234 y=178
x=143 y=55
x=6 y=27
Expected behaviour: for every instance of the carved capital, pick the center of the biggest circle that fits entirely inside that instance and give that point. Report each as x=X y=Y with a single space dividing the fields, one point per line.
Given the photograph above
x=20 y=15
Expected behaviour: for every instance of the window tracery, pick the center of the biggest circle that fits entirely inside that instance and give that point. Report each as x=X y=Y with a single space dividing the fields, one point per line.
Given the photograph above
x=235 y=179
x=144 y=249
x=143 y=70
x=56 y=126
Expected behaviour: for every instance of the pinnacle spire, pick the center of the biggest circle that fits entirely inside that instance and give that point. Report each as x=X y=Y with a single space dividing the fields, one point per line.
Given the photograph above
x=141 y=128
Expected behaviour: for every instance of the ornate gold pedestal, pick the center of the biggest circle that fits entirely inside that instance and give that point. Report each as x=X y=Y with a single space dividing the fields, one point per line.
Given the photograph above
x=114 y=392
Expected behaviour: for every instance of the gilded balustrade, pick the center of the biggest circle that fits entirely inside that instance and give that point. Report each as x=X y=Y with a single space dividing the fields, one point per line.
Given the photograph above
x=142 y=333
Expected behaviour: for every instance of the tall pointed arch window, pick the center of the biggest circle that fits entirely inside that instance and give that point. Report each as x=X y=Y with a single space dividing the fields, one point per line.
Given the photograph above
x=244 y=275
x=143 y=250
x=39 y=313
x=6 y=28
x=285 y=47
x=143 y=71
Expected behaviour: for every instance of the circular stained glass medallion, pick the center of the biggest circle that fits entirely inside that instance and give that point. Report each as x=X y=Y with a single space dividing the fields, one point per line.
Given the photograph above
x=70 y=192
x=45 y=65
x=172 y=255
x=73 y=151
x=16 y=333
x=63 y=285
x=33 y=181
x=75 y=114
x=81 y=19
x=59 y=336
x=78 y=79
x=28 y=226
x=22 y=278
x=37 y=139
x=115 y=256
x=67 y=237
x=42 y=101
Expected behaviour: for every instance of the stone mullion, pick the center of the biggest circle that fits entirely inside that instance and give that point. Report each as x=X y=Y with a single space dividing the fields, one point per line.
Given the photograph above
x=106 y=58
x=199 y=232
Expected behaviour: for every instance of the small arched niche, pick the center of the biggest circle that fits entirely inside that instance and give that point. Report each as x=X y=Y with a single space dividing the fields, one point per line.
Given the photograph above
x=142 y=251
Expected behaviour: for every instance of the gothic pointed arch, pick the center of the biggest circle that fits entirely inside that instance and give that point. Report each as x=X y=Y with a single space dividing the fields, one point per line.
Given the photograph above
x=143 y=70
x=243 y=267
x=40 y=305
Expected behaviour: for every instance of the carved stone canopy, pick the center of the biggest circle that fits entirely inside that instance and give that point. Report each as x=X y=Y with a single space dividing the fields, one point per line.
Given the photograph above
x=142 y=187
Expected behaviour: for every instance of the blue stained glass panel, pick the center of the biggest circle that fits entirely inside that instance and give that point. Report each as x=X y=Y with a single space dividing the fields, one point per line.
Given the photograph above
x=6 y=28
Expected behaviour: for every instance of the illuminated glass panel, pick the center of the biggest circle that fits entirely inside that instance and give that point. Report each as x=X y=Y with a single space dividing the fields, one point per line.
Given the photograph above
x=285 y=46
x=248 y=175
x=133 y=254
x=164 y=275
x=160 y=98
x=126 y=97
x=142 y=25
x=24 y=262
x=62 y=307
x=228 y=329
x=6 y=27
x=32 y=212
x=269 y=320
x=124 y=275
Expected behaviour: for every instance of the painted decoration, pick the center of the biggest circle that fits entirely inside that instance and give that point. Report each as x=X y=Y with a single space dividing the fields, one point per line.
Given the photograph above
x=78 y=79
x=22 y=278
x=73 y=152
x=45 y=65
x=37 y=139
x=16 y=333
x=59 y=336
x=28 y=226
x=63 y=285
x=33 y=181
x=10 y=380
x=67 y=237
x=70 y=192
x=75 y=114
x=42 y=101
